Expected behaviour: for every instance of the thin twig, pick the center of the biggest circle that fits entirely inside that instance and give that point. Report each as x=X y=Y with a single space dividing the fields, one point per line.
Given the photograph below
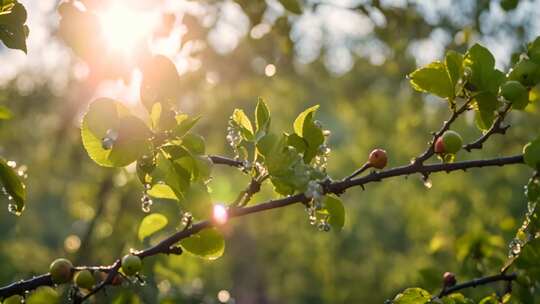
x=478 y=282
x=430 y=151
x=496 y=128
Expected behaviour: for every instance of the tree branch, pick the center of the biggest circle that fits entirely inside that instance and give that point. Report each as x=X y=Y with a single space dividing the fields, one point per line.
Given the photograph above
x=339 y=187
x=496 y=128
x=478 y=282
x=445 y=127
x=221 y=160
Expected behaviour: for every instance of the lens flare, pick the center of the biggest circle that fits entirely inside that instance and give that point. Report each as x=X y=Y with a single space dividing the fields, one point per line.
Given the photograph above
x=124 y=27
x=220 y=214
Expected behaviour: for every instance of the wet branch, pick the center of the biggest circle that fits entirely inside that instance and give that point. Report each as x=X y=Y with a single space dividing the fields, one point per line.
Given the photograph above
x=167 y=245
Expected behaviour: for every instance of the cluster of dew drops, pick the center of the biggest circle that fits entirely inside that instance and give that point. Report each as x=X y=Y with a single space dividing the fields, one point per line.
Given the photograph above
x=234 y=137
x=522 y=237
x=315 y=193
x=21 y=173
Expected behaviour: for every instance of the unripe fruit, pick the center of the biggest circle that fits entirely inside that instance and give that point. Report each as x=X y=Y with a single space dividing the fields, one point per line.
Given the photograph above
x=509 y=5
x=516 y=93
x=439 y=146
x=526 y=72
x=449 y=279
x=84 y=279
x=131 y=264
x=452 y=141
x=16 y=299
x=378 y=158
x=61 y=271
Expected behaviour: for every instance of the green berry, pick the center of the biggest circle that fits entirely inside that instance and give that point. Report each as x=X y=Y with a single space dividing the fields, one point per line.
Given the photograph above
x=61 y=271
x=509 y=5
x=84 y=279
x=526 y=72
x=131 y=264
x=516 y=93
x=16 y=299
x=452 y=141
x=531 y=154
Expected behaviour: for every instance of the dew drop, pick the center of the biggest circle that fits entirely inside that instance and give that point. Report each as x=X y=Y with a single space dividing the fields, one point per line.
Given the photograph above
x=428 y=183
x=11 y=164
x=146 y=203
x=12 y=208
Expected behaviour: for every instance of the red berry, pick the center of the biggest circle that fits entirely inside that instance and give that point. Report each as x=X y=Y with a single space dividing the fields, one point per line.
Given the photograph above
x=378 y=158
x=439 y=146
x=449 y=279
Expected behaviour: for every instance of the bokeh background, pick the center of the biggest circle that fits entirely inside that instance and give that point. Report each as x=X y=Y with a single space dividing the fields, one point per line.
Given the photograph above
x=351 y=57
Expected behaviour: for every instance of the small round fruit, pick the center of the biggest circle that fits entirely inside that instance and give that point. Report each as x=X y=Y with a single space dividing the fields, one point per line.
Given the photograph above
x=61 y=271
x=509 y=5
x=449 y=279
x=131 y=264
x=439 y=146
x=84 y=279
x=525 y=72
x=16 y=299
x=378 y=158
x=516 y=93
x=452 y=141
x=531 y=154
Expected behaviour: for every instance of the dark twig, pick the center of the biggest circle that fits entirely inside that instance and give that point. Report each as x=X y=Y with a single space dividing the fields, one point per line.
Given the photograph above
x=220 y=160
x=164 y=247
x=430 y=151
x=478 y=282
x=358 y=171
x=496 y=128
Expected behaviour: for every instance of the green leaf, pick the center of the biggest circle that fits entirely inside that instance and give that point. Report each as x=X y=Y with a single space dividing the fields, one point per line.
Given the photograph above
x=528 y=259
x=454 y=66
x=13 y=186
x=162 y=119
x=492 y=299
x=484 y=76
x=531 y=154
x=305 y=127
x=197 y=200
x=160 y=83
x=292 y=6
x=412 y=296
x=13 y=32
x=105 y=117
x=172 y=174
x=194 y=143
x=268 y=144
x=487 y=105
x=151 y=224
x=262 y=117
x=163 y=191
x=334 y=208
x=533 y=50
x=184 y=124
x=43 y=295
x=434 y=78
x=456 y=298
x=207 y=244
x=5 y=113
x=242 y=121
